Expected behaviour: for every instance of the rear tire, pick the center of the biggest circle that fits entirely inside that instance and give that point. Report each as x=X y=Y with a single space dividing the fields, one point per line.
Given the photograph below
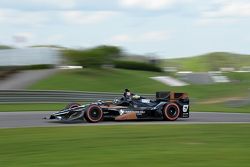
x=93 y=114
x=171 y=112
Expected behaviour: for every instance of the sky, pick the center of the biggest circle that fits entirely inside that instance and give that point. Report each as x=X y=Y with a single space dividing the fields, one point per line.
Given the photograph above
x=164 y=28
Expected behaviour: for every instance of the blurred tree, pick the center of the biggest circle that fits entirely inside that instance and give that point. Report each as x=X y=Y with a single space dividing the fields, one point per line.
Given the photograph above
x=94 y=57
x=5 y=47
x=133 y=65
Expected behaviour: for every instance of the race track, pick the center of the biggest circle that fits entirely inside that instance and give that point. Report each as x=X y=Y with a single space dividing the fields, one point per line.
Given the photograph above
x=35 y=119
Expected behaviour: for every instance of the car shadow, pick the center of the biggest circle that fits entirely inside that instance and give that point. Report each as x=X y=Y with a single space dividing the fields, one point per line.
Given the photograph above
x=113 y=121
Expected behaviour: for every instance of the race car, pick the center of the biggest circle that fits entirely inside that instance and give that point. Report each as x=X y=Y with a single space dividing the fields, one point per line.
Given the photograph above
x=167 y=106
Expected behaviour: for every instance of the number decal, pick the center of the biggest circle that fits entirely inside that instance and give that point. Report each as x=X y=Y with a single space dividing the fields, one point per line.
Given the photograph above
x=185 y=108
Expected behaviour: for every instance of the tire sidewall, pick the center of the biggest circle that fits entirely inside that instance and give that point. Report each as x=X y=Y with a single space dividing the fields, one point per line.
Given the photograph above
x=88 y=111
x=165 y=112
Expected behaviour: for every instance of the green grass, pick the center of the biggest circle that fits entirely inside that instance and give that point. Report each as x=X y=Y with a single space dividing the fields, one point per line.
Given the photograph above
x=31 y=107
x=103 y=80
x=219 y=107
x=237 y=77
x=209 y=62
x=139 y=82
x=123 y=146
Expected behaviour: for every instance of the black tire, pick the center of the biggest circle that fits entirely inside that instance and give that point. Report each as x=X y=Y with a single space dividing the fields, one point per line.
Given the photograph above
x=93 y=114
x=171 y=112
x=72 y=105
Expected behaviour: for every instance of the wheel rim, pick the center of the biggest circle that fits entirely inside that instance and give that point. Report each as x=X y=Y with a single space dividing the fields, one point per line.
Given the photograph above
x=95 y=114
x=172 y=111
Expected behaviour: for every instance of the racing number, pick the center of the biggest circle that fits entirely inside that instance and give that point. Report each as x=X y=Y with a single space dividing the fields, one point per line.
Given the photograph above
x=185 y=108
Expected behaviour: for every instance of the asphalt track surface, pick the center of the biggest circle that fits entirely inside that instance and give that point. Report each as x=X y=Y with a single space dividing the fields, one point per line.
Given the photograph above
x=35 y=119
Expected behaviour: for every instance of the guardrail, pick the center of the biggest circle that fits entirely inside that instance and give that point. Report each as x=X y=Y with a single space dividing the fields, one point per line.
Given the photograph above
x=54 y=96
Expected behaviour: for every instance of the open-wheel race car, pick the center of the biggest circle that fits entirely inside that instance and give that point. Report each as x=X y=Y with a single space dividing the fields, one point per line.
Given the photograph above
x=167 y=106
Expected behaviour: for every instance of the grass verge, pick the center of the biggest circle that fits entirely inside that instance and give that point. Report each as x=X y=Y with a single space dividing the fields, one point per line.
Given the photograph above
x=145 y=145
x=219 y=107
x=101 y=80
x=31 y=107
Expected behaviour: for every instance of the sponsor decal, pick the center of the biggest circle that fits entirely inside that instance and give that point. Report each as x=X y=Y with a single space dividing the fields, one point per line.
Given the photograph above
x=121 y=112
x=145 y=100
x=128 y=111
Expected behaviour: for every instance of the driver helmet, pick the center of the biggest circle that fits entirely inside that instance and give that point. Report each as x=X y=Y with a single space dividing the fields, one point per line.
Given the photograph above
x=127 y=92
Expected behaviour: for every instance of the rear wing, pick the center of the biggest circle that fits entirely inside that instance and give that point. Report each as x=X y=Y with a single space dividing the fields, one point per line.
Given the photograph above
x=171 y=96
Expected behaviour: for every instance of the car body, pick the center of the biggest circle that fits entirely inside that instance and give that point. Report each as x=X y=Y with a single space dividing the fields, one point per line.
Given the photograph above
x=167 y=106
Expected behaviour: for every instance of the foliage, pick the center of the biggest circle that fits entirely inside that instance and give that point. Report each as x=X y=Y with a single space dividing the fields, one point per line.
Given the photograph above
x=94 y=57
x=36 y=67
x=5 y=47
x=137 y=66
x=48 y=46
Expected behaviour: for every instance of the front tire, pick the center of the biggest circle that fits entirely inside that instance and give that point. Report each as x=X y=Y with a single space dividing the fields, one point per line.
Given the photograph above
x=171 y=112
x=94 y=114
